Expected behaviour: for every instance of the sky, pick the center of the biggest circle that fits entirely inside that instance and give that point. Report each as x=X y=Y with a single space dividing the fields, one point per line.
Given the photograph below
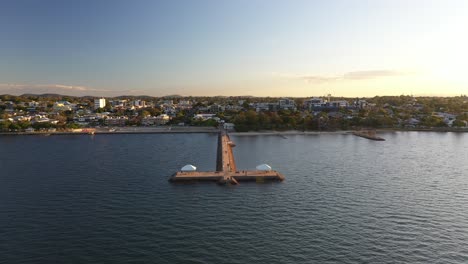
x=351 y=48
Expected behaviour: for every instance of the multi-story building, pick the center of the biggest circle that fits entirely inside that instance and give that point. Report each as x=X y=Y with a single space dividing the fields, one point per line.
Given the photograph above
x=287 y=104
x=184 y=105
x=118 y=103
x=266 y=107
x=33 y=104
x=313 y=103
x=155 y=120
x=85 y=120
x=233 y=108
x=216 y=108
x=116 y=121
x=99 y=103
x=139 y=103
x=339 y=104
x=318 y=104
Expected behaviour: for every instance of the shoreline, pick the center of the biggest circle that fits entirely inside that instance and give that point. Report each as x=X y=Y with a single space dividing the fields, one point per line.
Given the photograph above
x=194 y=130
x=191 y=130
x=288 y=132
x=344 y=132
x=118 y=131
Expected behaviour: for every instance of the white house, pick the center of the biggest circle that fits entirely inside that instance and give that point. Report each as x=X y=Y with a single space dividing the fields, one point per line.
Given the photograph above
x=287 y=104
x=228 y=126
x=62 y=106
x=155 y=120
x=204 y=117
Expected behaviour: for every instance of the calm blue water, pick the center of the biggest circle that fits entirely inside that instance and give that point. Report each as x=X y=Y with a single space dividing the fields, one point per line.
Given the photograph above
x=106 y=199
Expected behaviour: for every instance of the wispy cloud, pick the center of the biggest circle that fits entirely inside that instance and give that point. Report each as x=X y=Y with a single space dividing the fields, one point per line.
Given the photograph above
x=364 y=75
x=348 y=76
x=41 y=87
x=319 y=78
x=76 y=90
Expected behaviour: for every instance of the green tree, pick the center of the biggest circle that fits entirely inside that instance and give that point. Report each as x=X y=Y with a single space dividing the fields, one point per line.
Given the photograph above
x=432 y=121
x=251 y=119
x=24 y=124
x=459 y=123
x=14 y=127
x=5 y=125
x=240 y=122
x=73 y=126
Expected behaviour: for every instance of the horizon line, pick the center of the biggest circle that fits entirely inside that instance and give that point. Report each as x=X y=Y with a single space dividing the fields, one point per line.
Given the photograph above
x=240 y=96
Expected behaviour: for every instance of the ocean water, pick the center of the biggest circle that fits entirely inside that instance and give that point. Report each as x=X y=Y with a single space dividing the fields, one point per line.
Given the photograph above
x=107 y=199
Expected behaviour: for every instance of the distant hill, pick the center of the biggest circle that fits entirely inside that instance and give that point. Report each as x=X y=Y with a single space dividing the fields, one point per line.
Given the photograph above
x=52 y=96
x=142 y=97
x=87 y=97
x=172 y=96
x=45 y=95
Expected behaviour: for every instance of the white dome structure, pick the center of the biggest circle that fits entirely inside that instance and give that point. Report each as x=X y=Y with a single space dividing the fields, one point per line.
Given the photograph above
x=189 y=167
x=263 y=167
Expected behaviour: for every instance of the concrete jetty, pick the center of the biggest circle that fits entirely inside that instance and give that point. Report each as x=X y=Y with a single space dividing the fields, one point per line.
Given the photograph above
x=226 y=169
x=369 y=134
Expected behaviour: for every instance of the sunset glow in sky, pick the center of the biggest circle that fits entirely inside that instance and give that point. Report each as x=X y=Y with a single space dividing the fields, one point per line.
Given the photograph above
x=243 y=47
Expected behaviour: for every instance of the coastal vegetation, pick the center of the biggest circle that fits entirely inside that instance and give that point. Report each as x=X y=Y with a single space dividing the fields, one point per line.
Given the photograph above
x=45 y=112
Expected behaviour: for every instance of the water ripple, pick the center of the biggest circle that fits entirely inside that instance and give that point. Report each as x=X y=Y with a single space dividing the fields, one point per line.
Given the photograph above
x=345 y=200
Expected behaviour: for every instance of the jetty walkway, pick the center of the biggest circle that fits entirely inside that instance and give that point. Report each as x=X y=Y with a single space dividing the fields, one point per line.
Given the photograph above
x=226 y=169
